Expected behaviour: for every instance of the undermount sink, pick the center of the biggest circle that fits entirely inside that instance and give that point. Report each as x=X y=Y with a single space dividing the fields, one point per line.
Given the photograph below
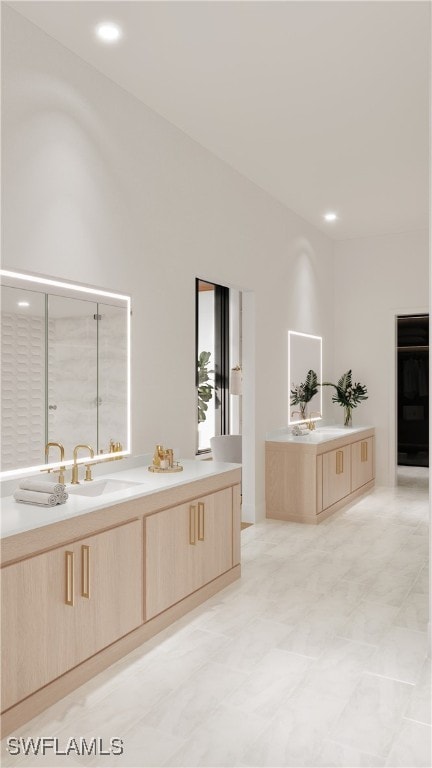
x=101 y=487
x=331 y=430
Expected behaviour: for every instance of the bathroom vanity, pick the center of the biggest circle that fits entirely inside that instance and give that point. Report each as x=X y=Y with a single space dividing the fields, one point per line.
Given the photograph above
x=309 y=477
x=86 y=582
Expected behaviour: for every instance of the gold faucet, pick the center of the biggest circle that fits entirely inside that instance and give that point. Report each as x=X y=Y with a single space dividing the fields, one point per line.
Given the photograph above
x=311 y=424
x=62 y=452
x=114 y=447
x=75 y=479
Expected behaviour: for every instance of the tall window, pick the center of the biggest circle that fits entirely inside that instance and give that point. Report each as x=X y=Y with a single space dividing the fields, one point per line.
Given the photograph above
x=212 y=356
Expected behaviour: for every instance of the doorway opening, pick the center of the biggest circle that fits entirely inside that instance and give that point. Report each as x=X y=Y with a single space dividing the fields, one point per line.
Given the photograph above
x=412 y=397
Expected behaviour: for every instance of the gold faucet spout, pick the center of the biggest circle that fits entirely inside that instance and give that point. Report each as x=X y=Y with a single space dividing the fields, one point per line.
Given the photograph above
x=52 y=445
x=62 y=454
x=75 y=478
x=77 y=447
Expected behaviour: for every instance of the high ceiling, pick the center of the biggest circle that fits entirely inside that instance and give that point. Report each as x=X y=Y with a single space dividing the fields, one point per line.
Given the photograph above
x=322 y=104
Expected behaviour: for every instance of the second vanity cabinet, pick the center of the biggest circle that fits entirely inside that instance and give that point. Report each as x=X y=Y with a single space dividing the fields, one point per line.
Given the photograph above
x=308 y=478
x=62 y=606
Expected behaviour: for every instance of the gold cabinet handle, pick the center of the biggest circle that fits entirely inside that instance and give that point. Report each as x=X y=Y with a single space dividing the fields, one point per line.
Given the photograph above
x=339 y=462
x=364 y=451
x=201 y=509
x=85 y=570
x=192 y=524
x=69 y=562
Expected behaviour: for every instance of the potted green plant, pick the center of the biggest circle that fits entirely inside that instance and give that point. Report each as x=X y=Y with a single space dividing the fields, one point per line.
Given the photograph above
x=205 y=387
x=348 y=395
x=302 y=393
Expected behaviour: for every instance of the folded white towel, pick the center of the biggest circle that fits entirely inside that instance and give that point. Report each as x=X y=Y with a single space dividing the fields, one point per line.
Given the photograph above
x=36 y=497
x=299 y=430
x=62 y=498
x=45 y=486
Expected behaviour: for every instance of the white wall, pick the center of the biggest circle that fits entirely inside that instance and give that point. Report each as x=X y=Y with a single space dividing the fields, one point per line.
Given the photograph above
x=376 y=279
x=101 y=190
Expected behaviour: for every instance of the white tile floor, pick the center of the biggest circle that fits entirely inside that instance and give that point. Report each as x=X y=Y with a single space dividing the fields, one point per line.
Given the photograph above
x=316 y=657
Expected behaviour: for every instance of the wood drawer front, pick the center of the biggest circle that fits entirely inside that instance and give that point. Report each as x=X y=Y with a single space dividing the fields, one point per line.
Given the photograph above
x=44 y=636
x=236 y=524
x=186 y=547
x=362 y=462
x=115 y=603
x=38 y=626
x=336 y=475
x=171 y=562
x=215 y=527
x=290 y=482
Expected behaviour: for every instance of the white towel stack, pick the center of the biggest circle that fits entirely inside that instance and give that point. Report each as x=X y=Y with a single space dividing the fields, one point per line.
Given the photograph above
x=300 y=430
x=41 y=492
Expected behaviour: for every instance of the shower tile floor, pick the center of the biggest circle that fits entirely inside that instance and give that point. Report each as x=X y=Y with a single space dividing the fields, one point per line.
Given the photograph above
x=316 y=657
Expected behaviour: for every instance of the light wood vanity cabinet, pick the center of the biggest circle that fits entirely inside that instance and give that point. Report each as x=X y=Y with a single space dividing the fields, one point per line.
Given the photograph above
x=73 y=594
x=308 y=479
x=63 y=606
x=186 y=547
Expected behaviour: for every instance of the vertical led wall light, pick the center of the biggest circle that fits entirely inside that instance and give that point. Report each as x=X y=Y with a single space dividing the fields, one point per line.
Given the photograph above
x=304 y=354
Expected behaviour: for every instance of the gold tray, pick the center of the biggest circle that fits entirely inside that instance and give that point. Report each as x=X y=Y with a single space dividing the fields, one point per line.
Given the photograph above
x=178 y=468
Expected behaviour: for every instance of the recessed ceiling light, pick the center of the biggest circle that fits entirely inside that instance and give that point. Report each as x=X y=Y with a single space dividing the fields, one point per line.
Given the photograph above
x=108 y=32
x=23 y=304
x=330 y=216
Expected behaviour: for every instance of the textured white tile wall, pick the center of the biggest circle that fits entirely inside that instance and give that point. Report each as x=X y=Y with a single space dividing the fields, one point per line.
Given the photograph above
x=72 y=385
x=22 y=390
x=75 y=374
x=72 y=378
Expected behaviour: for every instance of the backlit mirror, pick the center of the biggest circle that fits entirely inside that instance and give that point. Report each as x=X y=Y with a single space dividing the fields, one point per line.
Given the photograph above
x=65 y=371
x=304 y=355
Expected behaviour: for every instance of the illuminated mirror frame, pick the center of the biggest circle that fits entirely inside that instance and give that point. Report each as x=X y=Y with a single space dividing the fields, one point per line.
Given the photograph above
x=64 y=288
x=319 y=374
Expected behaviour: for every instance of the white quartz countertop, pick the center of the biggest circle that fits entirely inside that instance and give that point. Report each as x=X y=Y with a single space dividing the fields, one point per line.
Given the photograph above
x=315 y=436
x=17 y=517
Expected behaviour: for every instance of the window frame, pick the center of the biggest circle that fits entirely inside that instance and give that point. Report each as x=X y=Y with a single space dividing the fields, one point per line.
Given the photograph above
x=222 y=358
